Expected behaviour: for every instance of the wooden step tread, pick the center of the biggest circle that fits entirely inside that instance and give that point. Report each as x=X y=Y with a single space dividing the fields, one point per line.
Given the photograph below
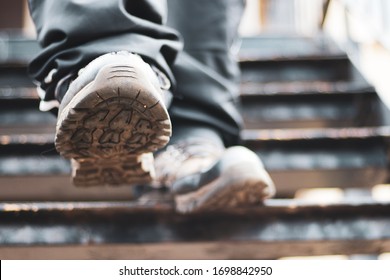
x=147 y=229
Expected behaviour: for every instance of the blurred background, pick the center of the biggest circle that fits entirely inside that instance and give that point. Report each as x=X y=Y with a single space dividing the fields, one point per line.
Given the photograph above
x=360 y=27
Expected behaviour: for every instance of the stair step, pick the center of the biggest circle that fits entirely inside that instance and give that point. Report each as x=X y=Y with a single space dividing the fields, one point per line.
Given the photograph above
x=319 y=89
x=14 y=76
x=309 y=115
x=310 y=134
x=19 y=113
x=307 y=70
x=267 y=108
x=286 y=47
x=151 y=229
x=320 y=158
x=16 y=93
x=334 y=96
x=15 y=49
x=310 y=109
x=299 y=88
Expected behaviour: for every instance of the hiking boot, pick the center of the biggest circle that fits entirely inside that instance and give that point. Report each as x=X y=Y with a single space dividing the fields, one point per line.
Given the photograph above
x=206 y=177
x=110 y=121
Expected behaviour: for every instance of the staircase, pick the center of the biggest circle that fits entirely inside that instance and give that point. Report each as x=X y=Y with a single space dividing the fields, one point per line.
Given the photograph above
x=311 y=117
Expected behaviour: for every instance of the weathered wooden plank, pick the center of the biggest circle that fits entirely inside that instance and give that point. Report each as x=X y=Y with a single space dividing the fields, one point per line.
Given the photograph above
x=58 y=187
x=38 y=139
x=17 y=49
x=196 y=250
x=17 y=93
x=249 y=135
x=344 y=158
x=325 y=69
x=307 y=134
x=160 y=204
x=265 y=47
x=14 y=76
x=137 y=229
x=288 y=182
x=249 y=88
x=312 y=111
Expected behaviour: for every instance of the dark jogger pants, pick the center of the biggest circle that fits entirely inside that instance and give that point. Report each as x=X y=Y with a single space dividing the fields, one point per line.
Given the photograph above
x=189 y=40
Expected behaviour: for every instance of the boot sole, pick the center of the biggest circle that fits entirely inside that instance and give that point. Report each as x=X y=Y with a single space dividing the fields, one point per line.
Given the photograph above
x=111 y=128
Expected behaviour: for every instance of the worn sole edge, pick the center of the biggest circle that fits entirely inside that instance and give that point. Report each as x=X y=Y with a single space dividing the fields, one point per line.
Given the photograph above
x=70 y=119
x=227 y=191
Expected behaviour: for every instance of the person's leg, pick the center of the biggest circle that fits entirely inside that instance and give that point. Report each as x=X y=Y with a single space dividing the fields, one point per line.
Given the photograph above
x=206 y=71
x=197 y=168
x=72 y=33
x=112 y=114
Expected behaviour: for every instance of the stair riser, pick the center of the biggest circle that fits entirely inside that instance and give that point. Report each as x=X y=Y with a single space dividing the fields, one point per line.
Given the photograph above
x=311 y=110
x=337 y=69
